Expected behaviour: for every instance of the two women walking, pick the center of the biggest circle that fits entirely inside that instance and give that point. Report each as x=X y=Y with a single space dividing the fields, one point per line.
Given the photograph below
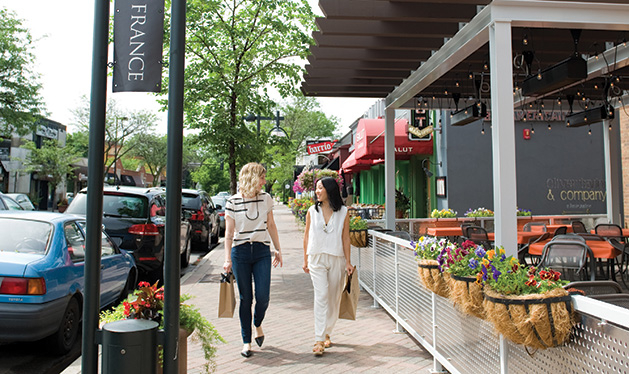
x=249 y=229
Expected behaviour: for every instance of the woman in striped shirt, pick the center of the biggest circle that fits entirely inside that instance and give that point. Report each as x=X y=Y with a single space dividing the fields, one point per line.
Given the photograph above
x=249 y=230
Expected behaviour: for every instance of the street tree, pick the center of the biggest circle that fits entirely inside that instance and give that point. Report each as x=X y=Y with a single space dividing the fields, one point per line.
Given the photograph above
x=151 y=150
x=236 y=51
x=120 y=127
x=50 y=161
x=20 y=99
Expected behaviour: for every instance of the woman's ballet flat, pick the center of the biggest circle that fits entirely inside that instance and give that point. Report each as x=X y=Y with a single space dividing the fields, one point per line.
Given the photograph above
x=246 y=353
x=259 y=340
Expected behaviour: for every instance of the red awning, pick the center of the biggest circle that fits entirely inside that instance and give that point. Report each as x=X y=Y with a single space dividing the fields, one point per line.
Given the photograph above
x=369 y=142
x=351 y=164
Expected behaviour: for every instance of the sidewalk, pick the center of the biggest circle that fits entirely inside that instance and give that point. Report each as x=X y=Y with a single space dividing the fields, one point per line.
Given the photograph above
x=367 y=345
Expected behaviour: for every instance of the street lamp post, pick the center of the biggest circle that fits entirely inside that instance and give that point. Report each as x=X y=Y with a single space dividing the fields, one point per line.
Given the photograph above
x=276 y=131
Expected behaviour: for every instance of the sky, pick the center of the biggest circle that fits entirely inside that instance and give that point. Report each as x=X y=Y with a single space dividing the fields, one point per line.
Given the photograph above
x=63 y=51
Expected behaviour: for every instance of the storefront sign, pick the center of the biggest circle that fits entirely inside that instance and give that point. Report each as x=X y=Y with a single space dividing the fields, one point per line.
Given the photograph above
x=420 y=133
x=138 y=41
x=320 y=147
x=47 y=132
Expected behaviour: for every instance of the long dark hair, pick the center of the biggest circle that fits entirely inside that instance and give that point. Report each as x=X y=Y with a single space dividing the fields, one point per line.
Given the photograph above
x=334 y=193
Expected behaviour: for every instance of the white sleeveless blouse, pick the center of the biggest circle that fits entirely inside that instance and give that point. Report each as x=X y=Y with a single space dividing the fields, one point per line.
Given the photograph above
x=324 y=238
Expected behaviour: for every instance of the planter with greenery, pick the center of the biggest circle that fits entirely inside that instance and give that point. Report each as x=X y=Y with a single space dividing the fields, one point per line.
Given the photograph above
x=358 y=231
x=402 y=203
x=427 y=249
x=147 y=303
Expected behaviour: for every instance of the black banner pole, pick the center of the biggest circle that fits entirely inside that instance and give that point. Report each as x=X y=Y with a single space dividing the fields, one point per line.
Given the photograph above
x=173 y=185
x=98 y=104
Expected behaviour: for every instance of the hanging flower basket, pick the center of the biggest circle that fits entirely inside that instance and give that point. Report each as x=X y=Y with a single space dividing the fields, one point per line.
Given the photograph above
x=358 y=238
x=536 y=320
x=432 y=278
x=467 y=295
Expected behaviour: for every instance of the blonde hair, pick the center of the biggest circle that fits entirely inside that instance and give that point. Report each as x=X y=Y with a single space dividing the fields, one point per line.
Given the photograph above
x=249 y=179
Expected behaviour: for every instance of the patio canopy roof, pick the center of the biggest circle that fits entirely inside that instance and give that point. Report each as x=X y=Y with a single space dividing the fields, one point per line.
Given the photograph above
x=423 y=52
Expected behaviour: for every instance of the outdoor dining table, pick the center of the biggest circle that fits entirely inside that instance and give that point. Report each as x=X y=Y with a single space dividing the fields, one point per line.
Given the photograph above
x=451 y=232
x=600 y=248
x=625 y=232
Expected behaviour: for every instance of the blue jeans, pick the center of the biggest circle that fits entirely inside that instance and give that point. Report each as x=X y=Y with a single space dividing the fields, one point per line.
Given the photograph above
x=252 y=261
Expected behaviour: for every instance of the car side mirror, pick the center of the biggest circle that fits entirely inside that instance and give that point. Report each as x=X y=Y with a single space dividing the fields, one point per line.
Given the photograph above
x=218 y=207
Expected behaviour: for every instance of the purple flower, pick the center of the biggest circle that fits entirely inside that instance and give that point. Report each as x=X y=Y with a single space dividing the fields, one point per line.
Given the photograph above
x=473 y=263
x=496 y=273
x=484 y=269
x=480 y=251
x=503 y=257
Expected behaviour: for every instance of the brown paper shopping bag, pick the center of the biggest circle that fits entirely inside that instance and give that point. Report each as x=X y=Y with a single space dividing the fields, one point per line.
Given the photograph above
x=349 y=297
x=226 y=299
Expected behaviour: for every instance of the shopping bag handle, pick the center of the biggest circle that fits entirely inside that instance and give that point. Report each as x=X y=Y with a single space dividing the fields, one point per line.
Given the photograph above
x=227 y=277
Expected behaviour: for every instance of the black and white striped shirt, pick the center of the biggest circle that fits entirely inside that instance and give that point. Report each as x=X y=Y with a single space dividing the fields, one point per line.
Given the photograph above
x=250 y=215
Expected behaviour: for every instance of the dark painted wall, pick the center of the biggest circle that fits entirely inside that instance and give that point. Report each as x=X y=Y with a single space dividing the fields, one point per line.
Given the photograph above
x=559 y=171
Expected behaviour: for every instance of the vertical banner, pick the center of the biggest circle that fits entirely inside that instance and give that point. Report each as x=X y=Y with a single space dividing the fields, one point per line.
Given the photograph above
x=138 y=43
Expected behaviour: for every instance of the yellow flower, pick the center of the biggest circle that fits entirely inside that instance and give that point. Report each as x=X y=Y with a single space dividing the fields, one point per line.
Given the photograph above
x=491 y=254
x=485 y=262
x=501 y=251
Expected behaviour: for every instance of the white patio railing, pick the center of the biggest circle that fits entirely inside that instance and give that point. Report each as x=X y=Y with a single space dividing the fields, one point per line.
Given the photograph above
x=387 y=270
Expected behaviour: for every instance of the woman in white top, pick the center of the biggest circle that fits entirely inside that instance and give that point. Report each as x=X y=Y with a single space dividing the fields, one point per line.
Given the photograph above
x=248 y=225
x=326 y=257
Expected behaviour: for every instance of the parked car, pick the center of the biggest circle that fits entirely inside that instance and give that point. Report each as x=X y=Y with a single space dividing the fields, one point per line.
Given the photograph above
x=224 y=194
x=199 y=209
x=23 y=200
x=219 y=203
x=7 y=203
x=137 y=217
x=42 y=276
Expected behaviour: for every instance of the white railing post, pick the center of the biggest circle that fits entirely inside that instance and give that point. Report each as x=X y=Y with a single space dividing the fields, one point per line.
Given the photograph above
x=504 y=355
x=397 y=291
x=373 y=247
x=436 y=365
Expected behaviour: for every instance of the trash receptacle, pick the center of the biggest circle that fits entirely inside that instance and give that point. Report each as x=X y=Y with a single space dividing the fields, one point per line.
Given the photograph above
x=130 y=346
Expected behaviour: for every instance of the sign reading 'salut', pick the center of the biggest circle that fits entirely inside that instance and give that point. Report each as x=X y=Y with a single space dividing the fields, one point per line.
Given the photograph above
x=138 y=42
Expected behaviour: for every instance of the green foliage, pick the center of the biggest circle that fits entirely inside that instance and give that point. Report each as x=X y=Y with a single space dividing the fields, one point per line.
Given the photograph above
x=78 y=143
x=120 y=127
x=443 y=213
x=306 y=180
x=147 y=303
x=402 y=202
x=20 y=100
x=235 y=53
x=479 y=212
x=50 y=160
x=429 y=247
x=357 y=223
x=152 y=151
x=300 y=207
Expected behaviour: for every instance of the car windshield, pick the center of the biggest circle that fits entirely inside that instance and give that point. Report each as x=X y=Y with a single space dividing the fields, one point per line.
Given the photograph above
x=24 y=236
x=117 y=205
x=190 y=201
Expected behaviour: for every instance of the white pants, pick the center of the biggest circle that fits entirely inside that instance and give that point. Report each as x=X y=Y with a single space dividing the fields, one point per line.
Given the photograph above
x=327 y=273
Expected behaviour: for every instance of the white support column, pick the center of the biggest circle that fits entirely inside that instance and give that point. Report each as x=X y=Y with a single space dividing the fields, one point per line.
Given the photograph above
x=389 y=168
x=503 y=136
x=612 y=156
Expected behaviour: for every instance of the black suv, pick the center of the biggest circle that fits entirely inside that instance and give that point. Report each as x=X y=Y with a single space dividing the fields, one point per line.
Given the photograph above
x=203 y=216
x=137 y=216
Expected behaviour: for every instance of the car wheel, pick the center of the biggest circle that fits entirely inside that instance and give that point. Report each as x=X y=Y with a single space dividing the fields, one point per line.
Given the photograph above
x=63 y=340
x=185 y=256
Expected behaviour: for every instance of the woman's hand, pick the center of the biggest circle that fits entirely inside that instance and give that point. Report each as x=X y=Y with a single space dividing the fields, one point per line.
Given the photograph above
x=349 y=268
x=305 y=267
x=227 y=266
x=277 y=260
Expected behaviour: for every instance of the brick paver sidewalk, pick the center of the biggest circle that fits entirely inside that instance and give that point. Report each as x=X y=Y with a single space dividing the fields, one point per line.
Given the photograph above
x=367 y=345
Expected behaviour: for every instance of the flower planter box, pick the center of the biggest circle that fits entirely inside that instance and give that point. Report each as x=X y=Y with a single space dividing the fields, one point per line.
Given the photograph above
x=538 y=321
x=358 y=238
x=432 y=278
x=467 y=295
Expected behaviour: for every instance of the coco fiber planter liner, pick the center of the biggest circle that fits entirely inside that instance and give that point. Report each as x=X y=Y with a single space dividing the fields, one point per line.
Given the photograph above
x=467 y=295
x=432 y=277
x=358 y=238
x=538 y=320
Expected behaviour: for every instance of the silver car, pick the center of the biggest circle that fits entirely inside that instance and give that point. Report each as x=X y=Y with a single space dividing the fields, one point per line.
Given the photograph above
x=23 y=200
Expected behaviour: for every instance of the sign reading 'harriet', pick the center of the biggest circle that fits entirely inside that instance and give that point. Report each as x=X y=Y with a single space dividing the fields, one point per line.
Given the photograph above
x=138 y=40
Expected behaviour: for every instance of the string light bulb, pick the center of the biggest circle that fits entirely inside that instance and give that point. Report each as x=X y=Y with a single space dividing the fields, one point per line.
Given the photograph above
x=549 y=128
x=532 y=130
x=525 y=40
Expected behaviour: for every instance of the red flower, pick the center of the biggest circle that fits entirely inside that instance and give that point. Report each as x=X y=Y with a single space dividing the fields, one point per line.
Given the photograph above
x=543 y=274
x=531 y=282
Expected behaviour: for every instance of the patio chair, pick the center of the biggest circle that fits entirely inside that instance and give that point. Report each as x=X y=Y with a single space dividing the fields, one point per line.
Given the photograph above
x=619 y=299
x=599 y=287
x=400 y=234
x=464 y=227
x=534 y=226
x=563 y=230
x=572 y=258
x=523 y=252
x=479 y=236
x=573 y=237
x=613 y=234
x=578 y=227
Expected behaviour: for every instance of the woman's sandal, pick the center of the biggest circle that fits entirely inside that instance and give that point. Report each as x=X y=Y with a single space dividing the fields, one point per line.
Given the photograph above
x=319 y=348
x=327 y=343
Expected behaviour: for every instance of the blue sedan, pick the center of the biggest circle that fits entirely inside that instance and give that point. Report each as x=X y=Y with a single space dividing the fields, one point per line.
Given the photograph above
x=42 y=276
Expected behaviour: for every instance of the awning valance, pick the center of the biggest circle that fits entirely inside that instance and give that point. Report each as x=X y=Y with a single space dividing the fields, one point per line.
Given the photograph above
x=352 y=165
x=369 y=143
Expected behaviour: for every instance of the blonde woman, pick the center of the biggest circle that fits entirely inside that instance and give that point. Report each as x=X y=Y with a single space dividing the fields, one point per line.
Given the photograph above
x=249 y=225
x=326 y=257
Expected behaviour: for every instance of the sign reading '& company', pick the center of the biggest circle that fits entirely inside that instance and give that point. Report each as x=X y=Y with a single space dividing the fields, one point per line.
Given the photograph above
x=138 y=40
